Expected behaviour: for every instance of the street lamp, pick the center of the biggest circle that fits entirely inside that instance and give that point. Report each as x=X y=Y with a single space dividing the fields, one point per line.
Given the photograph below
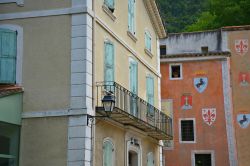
x=108 y=102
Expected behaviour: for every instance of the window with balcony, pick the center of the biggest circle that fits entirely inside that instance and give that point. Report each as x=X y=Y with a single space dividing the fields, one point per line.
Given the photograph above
x=187 y=130
x=108 y=64
x=108 y=153
x=8 y=55
x=150 y=94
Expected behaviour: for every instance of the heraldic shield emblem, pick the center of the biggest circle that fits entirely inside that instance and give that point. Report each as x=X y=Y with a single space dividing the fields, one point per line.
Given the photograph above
x=209 y=115
x=243 y=120
x=241 y=46
x=200 y=83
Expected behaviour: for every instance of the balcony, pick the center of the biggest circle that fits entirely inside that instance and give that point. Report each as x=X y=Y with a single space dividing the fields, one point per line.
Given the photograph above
x=131 y=110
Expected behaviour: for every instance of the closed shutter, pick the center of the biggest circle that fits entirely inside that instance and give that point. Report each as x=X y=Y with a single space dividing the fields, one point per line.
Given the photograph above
x=150 y=94
x=110 y=3
x=148 y=41
x=133 y=87
x=8 y=53
x=108 y=151
x=131 y=16
x=109 y=65
x=150 y=159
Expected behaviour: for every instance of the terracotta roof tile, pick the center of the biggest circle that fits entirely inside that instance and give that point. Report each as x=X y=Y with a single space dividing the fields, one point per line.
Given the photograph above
x=6 y=90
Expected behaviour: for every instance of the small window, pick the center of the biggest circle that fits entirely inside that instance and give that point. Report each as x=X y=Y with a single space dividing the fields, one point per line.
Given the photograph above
x=110 y=5
x=187 y=133
x=163 y=50
x=204 y=49
x=108 y=153
x=148 y=41
x=203 y=160
x=175 y=71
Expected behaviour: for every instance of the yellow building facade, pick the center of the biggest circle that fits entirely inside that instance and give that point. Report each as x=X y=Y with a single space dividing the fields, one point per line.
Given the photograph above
x=68 y=55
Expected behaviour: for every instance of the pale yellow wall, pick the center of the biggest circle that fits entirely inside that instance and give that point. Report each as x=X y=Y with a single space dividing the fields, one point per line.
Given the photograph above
x=121 y=57
x=118 y=137
x=36 y=149
x=120 y=26
x=30 y=5
x=46 y=62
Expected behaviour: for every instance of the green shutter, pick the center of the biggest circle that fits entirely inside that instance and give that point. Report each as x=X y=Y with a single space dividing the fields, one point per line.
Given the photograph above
x=109 y=62
x=150 y=159
x=150 y=90
x=148 y=41
x=133 y=87
x=8 y=53
x=131 y=16
x=110 y=3
x=108 y=153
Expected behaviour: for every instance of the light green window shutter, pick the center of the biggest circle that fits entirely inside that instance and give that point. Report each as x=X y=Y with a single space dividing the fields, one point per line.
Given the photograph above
x=109 y=62
x=110 y=3
x=150 y=159
x=8 y=53
x=108 y=152
x=133 y=77
x=148 y=41
x=131 y=16
x=150 y=90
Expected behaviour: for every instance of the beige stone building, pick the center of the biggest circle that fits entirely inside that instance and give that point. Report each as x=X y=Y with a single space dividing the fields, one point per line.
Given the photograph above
x=67 y=56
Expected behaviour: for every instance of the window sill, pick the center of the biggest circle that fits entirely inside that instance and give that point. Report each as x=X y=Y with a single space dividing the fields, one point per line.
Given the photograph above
x=175 y=78
x=132 y=36
x=108 y=12
x=148 y=52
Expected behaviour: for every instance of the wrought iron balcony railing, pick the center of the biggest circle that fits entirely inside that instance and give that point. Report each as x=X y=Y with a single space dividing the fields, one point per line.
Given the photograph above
x=134 y=111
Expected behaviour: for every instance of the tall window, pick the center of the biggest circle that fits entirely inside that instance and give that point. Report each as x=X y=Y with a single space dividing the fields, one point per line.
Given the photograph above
x=148 y=41
x=8 y=53
x=187 y=131
x=110 y=4
x=131 y=16
x=133 y=74
x=150 y=94
x=108 y=153
x=108 y=64
x=150 y=159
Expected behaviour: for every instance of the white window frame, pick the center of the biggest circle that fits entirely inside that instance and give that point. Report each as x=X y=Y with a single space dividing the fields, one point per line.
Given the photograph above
x=19 y=57
x=108 y=139
x=194 y=126
x=18 y=2
x=170 y=71
x=193 y=152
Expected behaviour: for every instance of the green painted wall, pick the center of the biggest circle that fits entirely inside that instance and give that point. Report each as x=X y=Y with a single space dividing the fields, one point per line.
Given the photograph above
x=11 y=108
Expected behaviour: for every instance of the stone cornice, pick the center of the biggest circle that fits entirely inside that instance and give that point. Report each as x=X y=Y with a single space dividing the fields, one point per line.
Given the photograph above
x=155 y=17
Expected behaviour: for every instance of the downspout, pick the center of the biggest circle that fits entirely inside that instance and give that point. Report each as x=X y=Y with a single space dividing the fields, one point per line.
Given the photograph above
x=93 y=86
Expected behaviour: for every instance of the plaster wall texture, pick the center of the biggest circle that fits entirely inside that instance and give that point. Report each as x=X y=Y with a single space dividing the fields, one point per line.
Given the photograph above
x=46 y=62
x=29 y=5
x=118 y=136
x=120 y=27
x=44 y=142
x=192 y=42
x=241 y=94
x=212 y=137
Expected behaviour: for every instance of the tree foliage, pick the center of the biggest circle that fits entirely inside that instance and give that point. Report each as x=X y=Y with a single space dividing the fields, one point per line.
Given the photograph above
x=223 y=13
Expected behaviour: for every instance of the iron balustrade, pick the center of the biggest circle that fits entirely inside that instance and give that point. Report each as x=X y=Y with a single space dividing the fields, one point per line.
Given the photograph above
x=130 y=103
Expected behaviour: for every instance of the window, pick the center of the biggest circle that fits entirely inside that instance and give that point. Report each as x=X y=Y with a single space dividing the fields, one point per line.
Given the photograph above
x=163 y=50
x=133 y=81
x=110 y=5
x=133 y=152
x=8 y=55
x=108 y=65
x=108 y=153
x=150 y=94
x=9 y=138
x=203 y=160
x=150 y=159
x=187 y=131
x=148 y=41
x=131 y=16
x=175 y=71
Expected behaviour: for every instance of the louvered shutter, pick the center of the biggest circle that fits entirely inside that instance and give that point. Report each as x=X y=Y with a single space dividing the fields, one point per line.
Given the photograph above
x=8 y=51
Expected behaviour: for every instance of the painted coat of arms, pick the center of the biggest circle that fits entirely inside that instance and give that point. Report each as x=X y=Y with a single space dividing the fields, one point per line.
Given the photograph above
x=243 y=120
x=186 y=102
x=244 y=79
x=209 y=115
x=241 y=46
x=200 y=83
